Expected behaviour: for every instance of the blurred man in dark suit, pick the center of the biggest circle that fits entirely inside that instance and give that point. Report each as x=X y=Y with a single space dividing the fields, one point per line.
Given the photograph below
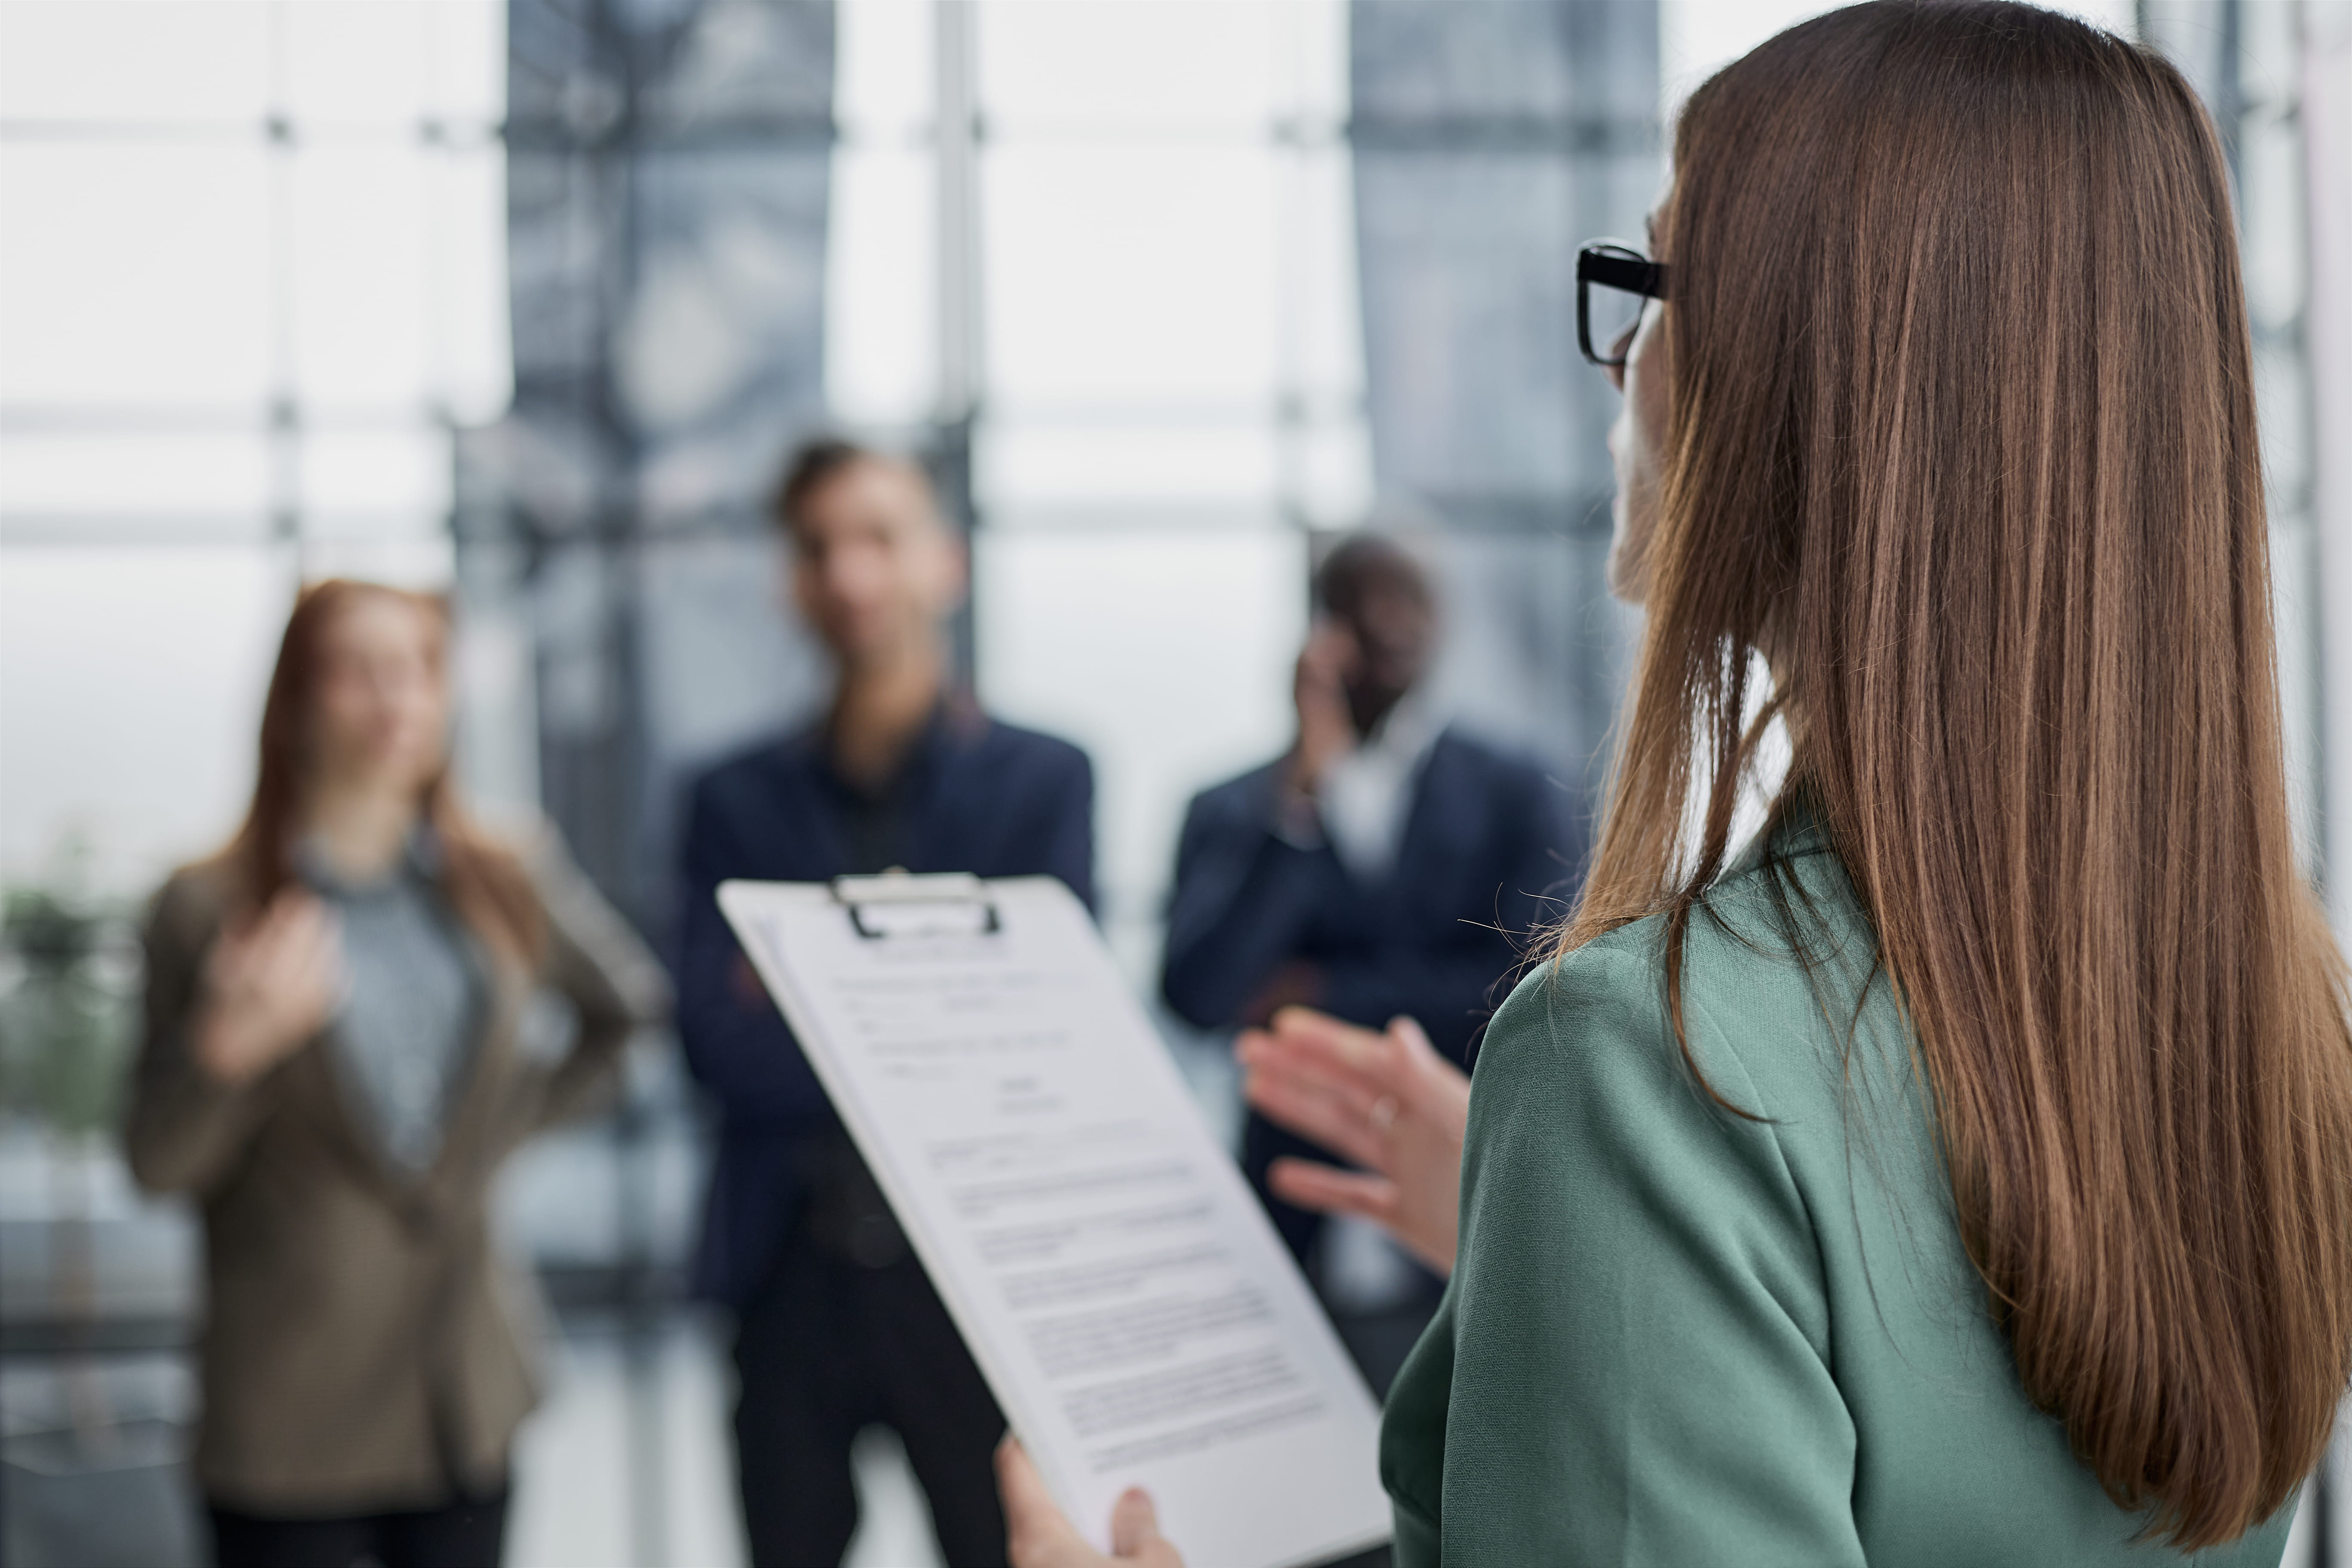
x=837 y=1326
x=1389 y=865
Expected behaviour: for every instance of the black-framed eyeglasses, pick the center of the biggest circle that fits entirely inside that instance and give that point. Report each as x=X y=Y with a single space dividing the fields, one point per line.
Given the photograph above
x=1607 y=315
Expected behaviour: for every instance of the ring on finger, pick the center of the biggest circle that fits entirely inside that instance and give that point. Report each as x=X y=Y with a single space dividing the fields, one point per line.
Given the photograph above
x=1383 y=1114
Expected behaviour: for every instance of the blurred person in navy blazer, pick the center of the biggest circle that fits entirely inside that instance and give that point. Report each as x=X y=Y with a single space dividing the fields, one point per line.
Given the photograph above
x=1388 y=865
x=837 y=1326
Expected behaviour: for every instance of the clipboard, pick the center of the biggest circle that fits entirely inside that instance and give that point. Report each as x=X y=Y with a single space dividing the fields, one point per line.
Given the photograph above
x=899 y=904
x=1137 y=1317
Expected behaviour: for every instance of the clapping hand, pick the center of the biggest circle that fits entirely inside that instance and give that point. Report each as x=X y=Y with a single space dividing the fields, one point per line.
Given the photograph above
x=271 y=985
x=1386 y=1102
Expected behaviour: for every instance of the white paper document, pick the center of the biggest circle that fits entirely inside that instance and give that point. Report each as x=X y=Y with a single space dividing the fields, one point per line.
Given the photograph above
x=1134 y=1313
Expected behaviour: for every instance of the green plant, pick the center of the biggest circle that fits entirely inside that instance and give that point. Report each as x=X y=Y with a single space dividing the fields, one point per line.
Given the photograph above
x=67 y=1020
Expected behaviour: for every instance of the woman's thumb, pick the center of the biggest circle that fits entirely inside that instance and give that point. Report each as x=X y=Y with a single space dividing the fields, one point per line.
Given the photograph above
x=1134 y=1523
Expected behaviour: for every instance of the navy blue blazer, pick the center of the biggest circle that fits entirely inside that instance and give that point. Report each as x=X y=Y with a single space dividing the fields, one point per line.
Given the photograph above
x=1490 y=852
x=981 y=796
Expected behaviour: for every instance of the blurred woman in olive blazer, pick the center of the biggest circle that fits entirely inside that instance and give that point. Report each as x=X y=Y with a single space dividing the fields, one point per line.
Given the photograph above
x=334 y=1067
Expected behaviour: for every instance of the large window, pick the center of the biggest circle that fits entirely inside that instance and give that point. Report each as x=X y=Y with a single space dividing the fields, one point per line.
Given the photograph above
x=1129 y=260
x=252 y=278
x=1102 y=259
x=252 y=273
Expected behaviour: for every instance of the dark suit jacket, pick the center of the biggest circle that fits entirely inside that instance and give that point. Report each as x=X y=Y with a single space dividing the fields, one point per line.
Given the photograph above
x=1488 y=840
x=980 y=796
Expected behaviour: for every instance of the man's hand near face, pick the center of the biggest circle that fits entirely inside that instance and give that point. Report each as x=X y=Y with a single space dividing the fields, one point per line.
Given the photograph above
x=1325 y=730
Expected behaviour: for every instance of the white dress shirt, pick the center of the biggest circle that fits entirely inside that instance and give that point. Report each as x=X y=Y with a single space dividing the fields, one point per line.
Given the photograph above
x=1365 y=797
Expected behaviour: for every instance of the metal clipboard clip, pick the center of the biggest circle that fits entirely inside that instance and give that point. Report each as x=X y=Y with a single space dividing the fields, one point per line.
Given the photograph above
x=898 y=904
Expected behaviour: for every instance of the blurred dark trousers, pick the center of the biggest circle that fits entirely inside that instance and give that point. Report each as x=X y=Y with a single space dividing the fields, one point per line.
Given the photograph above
x=827 y=1347
x=1263 y=1142
x=1379 y=1339
x=468 y=1534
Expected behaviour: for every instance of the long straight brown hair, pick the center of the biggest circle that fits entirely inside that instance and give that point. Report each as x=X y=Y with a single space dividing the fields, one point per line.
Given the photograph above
x=485 y=884
x=1961 y=433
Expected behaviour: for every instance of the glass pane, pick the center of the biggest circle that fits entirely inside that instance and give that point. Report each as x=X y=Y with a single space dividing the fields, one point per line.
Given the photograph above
x=379 y=475
x=1698 y=38
x=721 y=661
x=466 y=57
x=359 y=260
x=717 y=353
x=356 y=61
x=722 y=67
x=1477 y=389
x=2271 y=220
x=1170 y=62
x=1534 y=653
x=422 y=561
x=1167 y=655
x=2121 y=17
x=2282 y=416
x=472 y=368
x=132 y=683
x=1026 y=465
x=135 y=63
x=70 y=474
x=883 y=69
x=881 y=300
x=1322 y=322
x=1311 y=60
x=1334 y=474
x=88 y=311
x=1144 y=276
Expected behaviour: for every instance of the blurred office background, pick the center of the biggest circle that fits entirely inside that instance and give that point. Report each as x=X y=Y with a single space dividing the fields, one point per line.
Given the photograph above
x=527 y=298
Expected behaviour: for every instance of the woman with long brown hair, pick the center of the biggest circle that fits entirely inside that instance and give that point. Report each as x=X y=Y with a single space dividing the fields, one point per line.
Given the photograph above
x=1962 y=1172
x=334 y=1067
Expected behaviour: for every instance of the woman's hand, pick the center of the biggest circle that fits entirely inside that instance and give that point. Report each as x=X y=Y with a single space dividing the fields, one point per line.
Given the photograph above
x=270 y=985
x=1386 y=1102
x=1037 y=1535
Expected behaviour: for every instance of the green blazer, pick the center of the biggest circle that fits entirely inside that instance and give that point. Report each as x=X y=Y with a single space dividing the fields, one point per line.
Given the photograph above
x=1680 y=1338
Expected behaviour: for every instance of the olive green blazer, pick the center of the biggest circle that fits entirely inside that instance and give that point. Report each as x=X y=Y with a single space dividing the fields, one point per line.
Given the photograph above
x=366 y=1346
x=1676 y=1338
